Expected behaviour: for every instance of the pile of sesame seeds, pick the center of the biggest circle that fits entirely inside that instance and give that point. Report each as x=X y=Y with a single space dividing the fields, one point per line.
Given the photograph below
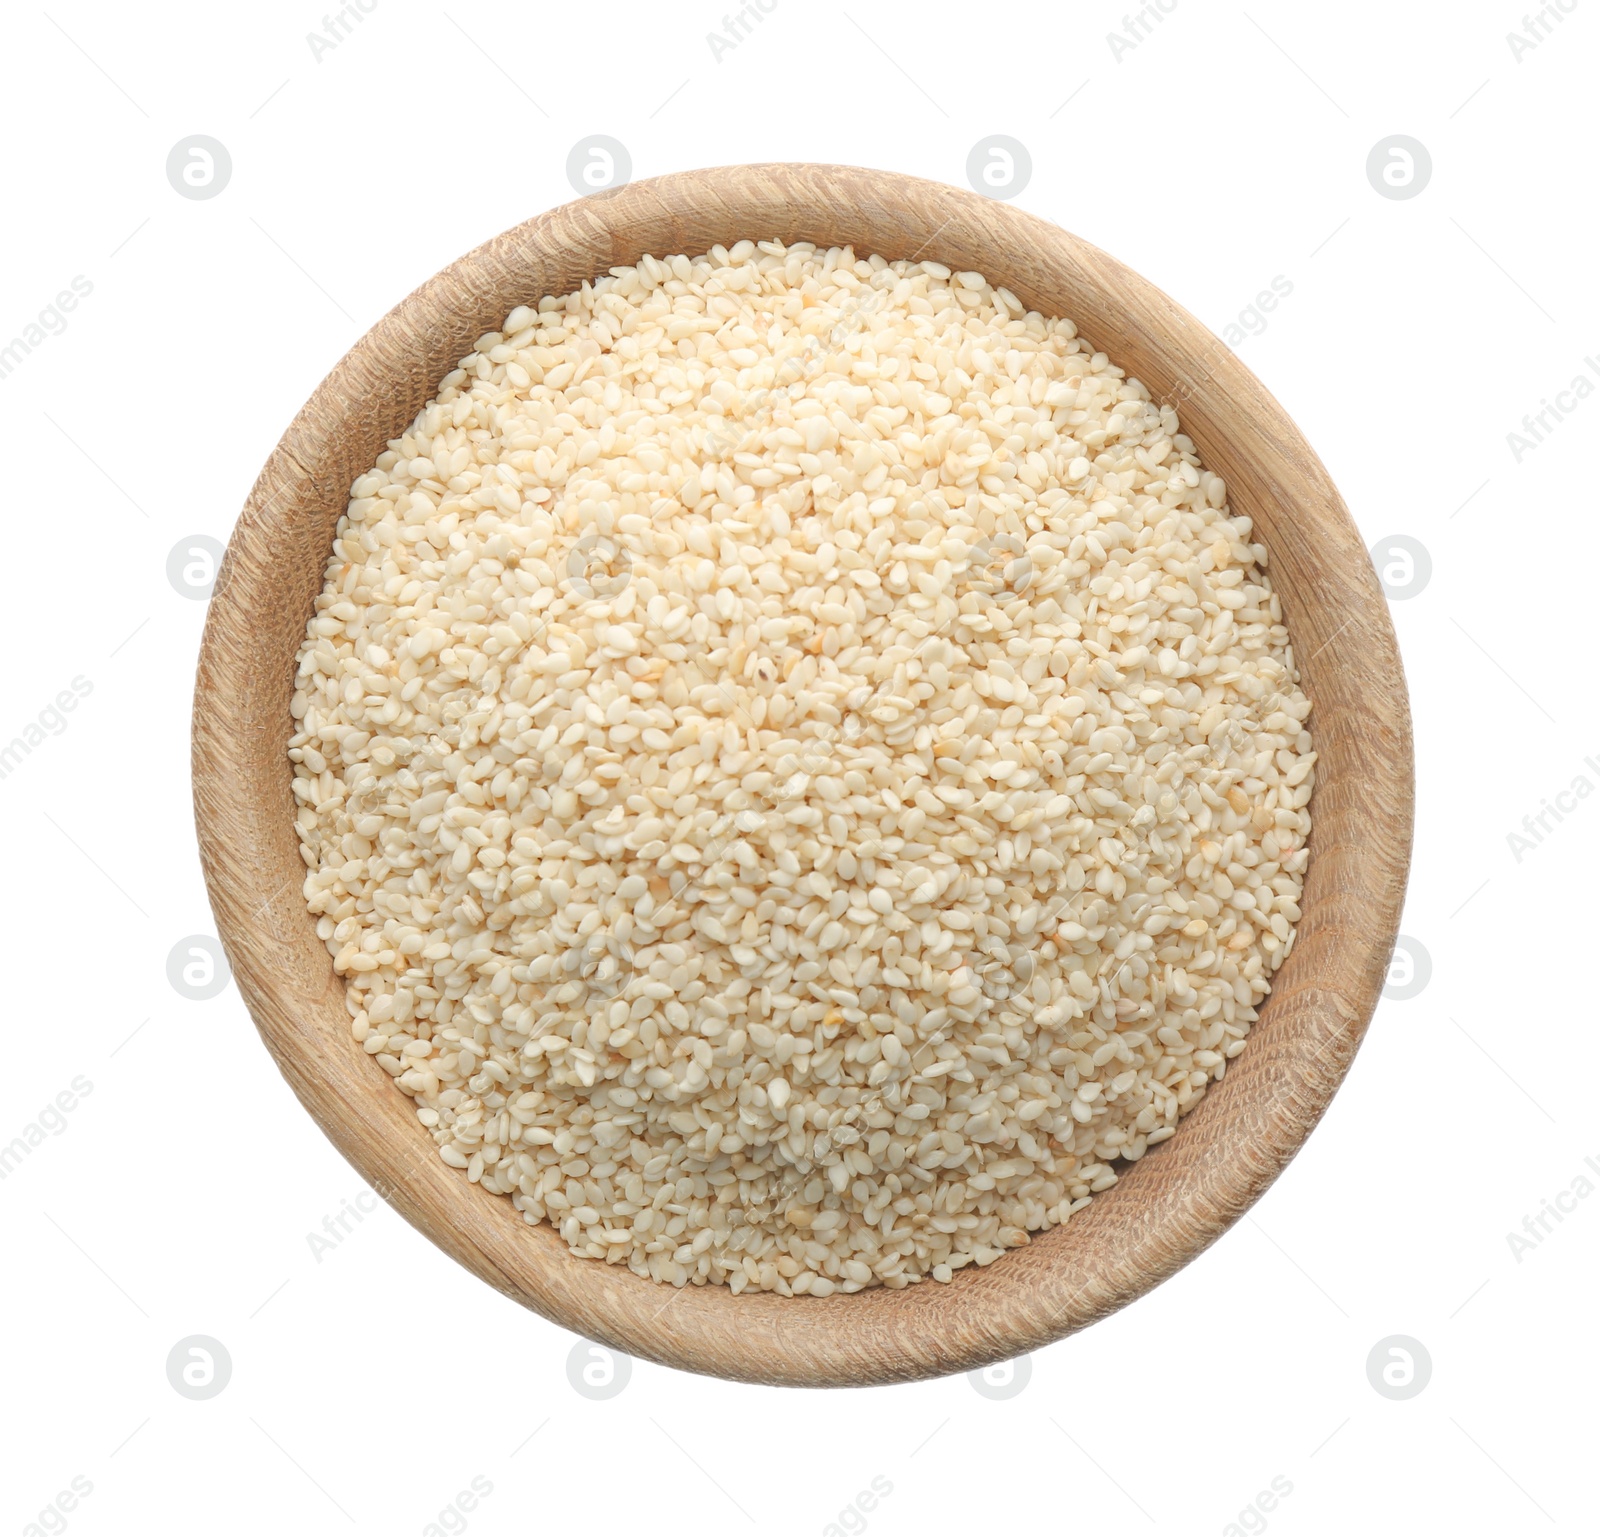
x=799 y=769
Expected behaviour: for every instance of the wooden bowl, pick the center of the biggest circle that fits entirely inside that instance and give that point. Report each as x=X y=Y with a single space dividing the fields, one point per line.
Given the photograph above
x=1166 y=1208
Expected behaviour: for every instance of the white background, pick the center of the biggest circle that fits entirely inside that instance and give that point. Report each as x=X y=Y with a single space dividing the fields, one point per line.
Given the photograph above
x=370 y=1386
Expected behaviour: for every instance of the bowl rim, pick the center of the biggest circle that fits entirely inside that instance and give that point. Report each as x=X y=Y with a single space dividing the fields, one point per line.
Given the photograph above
x=1166 y=1208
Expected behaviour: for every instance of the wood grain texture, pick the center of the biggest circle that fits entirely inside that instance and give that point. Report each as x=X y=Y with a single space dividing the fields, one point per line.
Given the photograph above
x=1166 y=1208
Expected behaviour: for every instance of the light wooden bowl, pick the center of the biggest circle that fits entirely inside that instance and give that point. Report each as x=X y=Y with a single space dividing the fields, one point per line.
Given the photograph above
x=1166 y=1208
